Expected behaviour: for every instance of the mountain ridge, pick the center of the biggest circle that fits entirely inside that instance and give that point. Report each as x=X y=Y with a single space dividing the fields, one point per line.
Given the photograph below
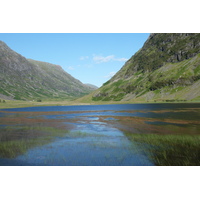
x=144 y=76
x=28 y=79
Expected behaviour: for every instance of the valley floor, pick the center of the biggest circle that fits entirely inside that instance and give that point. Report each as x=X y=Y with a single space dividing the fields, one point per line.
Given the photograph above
x=21 y=104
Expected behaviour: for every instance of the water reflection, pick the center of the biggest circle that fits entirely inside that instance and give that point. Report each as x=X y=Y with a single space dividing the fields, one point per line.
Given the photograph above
x=100 y=135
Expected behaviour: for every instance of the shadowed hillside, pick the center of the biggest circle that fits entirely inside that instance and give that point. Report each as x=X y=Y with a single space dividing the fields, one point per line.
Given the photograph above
x=25 y=79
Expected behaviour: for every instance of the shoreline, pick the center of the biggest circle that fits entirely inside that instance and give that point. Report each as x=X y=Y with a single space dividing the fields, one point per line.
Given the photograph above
x=22 y=104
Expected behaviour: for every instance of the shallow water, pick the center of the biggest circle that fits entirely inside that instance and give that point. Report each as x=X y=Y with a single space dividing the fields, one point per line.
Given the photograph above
x=90 y=135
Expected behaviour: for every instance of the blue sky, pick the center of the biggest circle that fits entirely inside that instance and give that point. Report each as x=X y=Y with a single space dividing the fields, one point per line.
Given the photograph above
x=90 y=57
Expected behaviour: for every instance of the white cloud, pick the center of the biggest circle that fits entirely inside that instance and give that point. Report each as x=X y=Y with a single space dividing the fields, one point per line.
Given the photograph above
x=71 y=68
x=84 y=57
x=102 y=59
x=110 y=75
x=121 y=59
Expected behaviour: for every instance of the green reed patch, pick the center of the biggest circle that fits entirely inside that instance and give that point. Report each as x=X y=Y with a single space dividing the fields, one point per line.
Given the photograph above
x=10 y=149
x=169 y=150
x=16 y=141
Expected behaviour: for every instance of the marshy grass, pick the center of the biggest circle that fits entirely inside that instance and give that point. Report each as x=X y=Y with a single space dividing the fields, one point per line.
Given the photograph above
x=14 y=142
x=11 y=149
x=169 y=150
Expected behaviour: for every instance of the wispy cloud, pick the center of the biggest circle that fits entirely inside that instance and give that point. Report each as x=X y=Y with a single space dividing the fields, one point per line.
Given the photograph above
x=110 y=75
x=84 y=57
x=121 y=59
x=102 y=59
x=70 y=68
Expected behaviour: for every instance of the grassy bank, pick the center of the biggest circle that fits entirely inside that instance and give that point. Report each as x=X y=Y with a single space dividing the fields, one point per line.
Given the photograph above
x=169 y=150
x=22 y=104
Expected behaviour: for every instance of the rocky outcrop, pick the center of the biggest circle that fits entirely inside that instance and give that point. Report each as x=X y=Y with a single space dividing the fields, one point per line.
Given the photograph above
x=160 y=49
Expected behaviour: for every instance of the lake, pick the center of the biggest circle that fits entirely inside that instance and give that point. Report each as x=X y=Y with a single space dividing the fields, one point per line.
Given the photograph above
x=101 y=135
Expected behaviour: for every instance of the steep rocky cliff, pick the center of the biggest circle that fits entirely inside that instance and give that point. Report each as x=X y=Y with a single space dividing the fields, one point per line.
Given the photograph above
x=167 y=67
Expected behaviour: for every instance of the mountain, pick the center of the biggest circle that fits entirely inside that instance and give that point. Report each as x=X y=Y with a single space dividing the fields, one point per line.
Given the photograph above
x=94 y=87
x=26 y=79
x=166 y=68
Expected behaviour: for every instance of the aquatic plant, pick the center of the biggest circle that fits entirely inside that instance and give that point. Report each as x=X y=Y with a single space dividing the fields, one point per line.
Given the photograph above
x=14 y=142
x=169 y=150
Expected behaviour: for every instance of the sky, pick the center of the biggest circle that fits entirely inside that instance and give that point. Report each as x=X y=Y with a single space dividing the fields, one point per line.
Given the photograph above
x=90 y=57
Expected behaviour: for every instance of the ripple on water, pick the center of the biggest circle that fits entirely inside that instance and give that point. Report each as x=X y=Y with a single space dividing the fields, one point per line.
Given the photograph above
x=95 y=138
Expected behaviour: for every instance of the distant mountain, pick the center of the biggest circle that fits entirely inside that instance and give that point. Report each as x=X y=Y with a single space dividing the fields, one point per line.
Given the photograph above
x=166 y=68
x=93 y=87
x=26 y=79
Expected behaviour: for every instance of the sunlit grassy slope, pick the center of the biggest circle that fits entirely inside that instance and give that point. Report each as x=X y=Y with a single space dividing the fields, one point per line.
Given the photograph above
x=172 y=82
x=166 y=69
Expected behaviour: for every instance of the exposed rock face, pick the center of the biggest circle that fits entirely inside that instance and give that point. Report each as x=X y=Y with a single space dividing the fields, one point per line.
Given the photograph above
x=162 y=48
x=166 y=60
x=25 y=79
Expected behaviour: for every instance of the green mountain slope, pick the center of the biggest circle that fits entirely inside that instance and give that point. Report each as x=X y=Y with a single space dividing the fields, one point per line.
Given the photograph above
x=167 y=67
x=26 y=79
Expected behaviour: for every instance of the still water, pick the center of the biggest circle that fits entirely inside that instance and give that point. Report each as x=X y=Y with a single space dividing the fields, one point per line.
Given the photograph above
x=93 y=135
